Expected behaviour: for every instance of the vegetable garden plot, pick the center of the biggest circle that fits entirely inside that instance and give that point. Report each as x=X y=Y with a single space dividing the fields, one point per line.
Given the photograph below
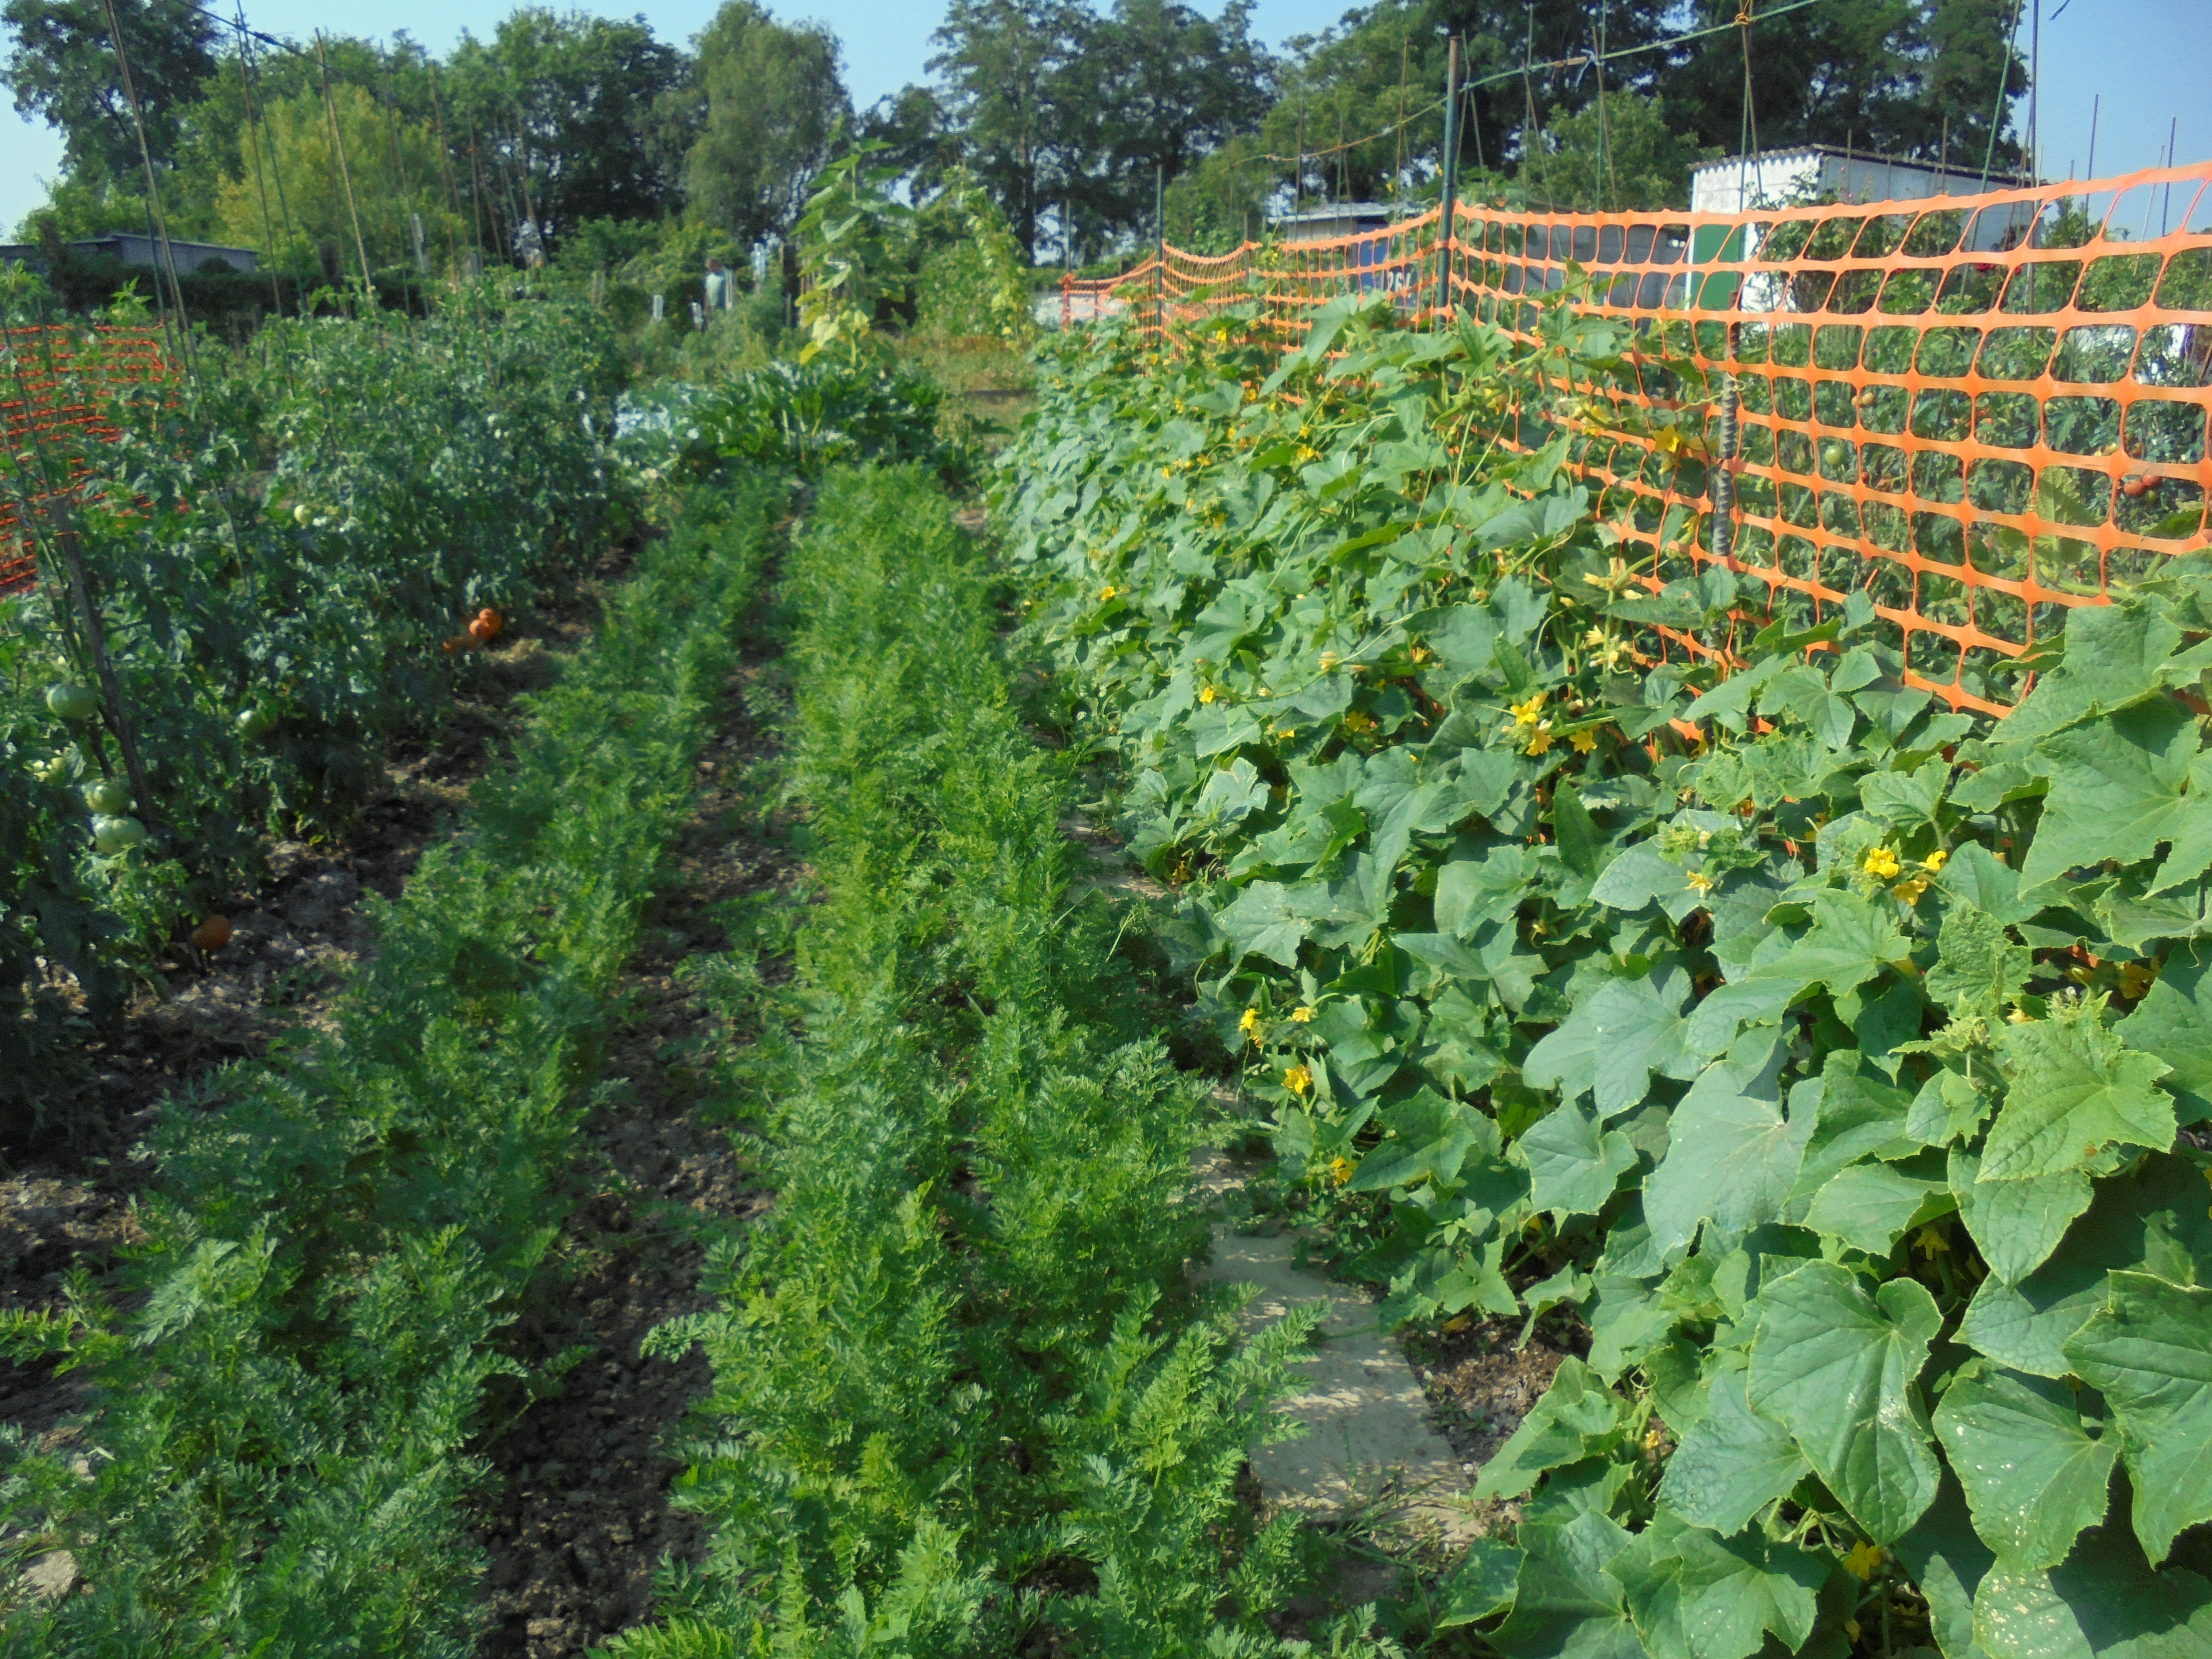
x=53 y=386
x=1833 y=1056
x=279 y=1459
x=1980 y=412
x=281 y=554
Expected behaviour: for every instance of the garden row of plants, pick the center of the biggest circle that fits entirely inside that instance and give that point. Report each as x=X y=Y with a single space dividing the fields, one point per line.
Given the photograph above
x=965 y=1401
x=290 y=553
x=282 y=1389
x=1827 y=1070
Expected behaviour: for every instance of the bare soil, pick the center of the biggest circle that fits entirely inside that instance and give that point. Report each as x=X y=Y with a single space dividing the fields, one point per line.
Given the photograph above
x=581 y=1519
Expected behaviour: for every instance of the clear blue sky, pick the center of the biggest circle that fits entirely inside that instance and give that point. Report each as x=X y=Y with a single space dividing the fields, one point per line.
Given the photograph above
x=2150 y=59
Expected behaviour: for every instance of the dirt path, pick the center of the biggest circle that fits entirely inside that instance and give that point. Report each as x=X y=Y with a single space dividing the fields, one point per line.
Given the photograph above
x=580 y=1519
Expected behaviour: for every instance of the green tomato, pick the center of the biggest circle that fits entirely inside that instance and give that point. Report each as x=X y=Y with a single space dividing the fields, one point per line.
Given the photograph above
x=107 y=796
x=1836 y=456
x=116 y=835
x=72 y=702
x=51 y=771
x=256 y=721
x=301 y=513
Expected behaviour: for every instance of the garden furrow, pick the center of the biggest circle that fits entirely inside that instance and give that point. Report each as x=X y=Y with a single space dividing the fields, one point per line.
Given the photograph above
x=965 y=1392
x=283 y=1407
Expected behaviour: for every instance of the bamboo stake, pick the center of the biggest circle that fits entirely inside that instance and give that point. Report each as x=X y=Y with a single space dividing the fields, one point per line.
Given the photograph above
x=153 y=184
x=337 y=139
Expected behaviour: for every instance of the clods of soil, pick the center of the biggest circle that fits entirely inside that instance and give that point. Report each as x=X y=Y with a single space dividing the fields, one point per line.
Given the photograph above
x=579 y=1519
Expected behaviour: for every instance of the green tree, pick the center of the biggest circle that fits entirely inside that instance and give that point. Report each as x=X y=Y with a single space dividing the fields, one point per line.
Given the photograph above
x=1383 y=65
x=1915 y=79
x=589 y=107
x=1005 y=68
x=1624 y=155
x=63 y=69
x=1160 y=86
x=392 y=163
x=918 y=138
x=1546 y=43
x=1224 y=200
x=773 y=105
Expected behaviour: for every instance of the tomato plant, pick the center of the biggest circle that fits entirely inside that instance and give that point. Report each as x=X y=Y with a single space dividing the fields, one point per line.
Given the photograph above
x=276 y=546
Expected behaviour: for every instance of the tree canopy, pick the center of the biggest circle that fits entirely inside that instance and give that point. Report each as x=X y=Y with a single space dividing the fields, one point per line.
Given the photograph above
x=565 y=130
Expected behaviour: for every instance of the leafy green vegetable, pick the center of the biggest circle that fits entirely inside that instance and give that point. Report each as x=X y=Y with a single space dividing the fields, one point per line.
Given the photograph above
x=2035 y=1476
x=1837 y=1367
x=2149 y=1352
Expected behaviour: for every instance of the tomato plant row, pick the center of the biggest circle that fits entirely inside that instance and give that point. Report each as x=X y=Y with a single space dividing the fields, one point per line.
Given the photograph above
x=1833 y=1058
x=275 y=549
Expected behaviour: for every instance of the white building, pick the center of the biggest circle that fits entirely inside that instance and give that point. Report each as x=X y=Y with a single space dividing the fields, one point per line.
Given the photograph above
x=1814 y=173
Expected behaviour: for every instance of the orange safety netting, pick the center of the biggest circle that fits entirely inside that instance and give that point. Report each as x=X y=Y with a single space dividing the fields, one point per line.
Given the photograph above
x=1981 y=410
x=55 y=383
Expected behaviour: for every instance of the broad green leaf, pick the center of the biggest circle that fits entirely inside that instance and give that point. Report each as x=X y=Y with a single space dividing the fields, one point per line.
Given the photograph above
x=1731 y=1158
x=1870 y=1206
x=1216 y=731
x=2035 y=1478
x=1395 y=808
x=2120 y=787
x=2174 y=1023
x=1851 y=941
x=1582 y=844
x=1694 y=1595
x=2149 y=1352
x=1973 y=876
x=1262 y=922
x=1837 y=1367
x=1625 y=1322
x=1948 y=1561
x=1565 y=1604
x=1579 y=1417
x=2105 y=1603
x=1730 y=702
x=1640 y=877
x=1473 y=890
x=1859 y=1114
x=1731 y=1463
x=1574 y=1162
x=1429 y=1138
x=1482 y=1585
x=2151 y=1220
x=2114 y=654
x=1950 y=1107
x=1978 y=970
x=1614 y=1039
x=2016 y=1225
x=2074 y=1091
x=1805 y=693
x=1904 y=801
x=1233 y=794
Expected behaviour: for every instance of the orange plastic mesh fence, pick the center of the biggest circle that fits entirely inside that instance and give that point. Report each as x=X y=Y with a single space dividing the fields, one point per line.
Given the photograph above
x=1982 y=411
x=54 y=387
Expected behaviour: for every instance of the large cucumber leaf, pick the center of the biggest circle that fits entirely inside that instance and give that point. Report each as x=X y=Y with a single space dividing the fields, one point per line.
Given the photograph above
x=2148 y=1351
x=1837 y=1367
x=2035 y=1477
